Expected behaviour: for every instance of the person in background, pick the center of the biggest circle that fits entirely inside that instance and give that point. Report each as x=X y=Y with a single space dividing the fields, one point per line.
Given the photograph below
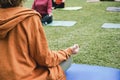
x=44 y=7
x=24 y=50
x=58 y=3
x=53 y=3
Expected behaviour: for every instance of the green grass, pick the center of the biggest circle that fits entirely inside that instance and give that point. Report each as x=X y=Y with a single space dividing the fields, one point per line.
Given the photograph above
x=98 y=46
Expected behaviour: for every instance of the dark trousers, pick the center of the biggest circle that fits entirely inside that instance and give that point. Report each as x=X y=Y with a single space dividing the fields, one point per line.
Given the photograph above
x=53 y=3
x=46 y=19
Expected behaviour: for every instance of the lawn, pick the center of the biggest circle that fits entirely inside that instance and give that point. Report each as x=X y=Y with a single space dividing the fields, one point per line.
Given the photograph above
x=98 y=46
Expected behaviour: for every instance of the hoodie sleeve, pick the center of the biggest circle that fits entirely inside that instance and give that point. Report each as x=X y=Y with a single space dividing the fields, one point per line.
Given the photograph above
x=38 y=45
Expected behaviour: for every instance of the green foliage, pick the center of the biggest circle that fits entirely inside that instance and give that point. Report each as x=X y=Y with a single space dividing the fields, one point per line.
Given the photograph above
x=98 y=46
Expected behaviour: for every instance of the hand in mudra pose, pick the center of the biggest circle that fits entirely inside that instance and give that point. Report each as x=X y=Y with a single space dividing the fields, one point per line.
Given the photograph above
x=75 y=48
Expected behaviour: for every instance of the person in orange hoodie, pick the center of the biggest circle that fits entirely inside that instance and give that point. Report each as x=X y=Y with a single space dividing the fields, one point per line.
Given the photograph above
x=24 y=51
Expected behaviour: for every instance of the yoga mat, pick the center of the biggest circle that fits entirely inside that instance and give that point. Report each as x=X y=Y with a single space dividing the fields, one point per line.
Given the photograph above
x=113 y=9
x=93 y=0
x=110 y=25
x=71 y=8
x=90 y=72
x=62 y=23
x=117 y=0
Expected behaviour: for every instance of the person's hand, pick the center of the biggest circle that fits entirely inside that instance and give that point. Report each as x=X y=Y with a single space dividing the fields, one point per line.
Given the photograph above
x=75 y=48
x=50 y=14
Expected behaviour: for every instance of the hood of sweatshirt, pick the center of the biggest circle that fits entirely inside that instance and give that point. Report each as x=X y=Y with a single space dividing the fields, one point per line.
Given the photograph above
x=10 y=17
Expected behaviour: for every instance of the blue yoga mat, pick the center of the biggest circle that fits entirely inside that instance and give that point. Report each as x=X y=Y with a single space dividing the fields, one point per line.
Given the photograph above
x=89 y=72
x=62 y=23
x=110 y=25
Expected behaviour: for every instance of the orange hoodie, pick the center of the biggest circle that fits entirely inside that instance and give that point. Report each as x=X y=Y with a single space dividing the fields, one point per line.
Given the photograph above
x=24 y=52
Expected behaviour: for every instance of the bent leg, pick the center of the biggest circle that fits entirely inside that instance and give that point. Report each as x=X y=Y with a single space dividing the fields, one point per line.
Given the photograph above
x=66 y=64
